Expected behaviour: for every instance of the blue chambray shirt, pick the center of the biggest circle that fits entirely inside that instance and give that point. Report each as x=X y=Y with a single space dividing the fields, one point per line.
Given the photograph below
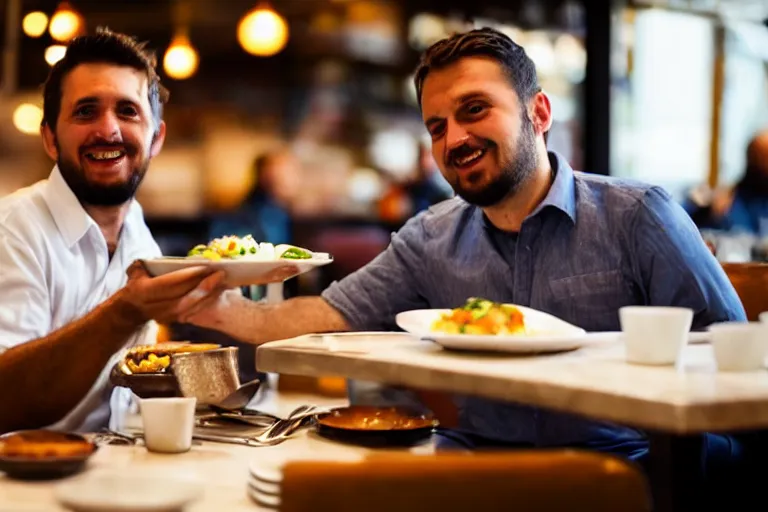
x=593 y=245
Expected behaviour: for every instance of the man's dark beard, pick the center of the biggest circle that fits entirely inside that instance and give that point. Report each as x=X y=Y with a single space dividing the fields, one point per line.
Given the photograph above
x=513 y=174
x=100 y=195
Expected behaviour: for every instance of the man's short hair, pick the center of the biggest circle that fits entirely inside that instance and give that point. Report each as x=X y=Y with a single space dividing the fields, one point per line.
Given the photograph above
x=106 y=47
x=483 y=42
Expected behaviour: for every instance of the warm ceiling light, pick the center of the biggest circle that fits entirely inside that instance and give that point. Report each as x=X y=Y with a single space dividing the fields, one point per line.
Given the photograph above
x=180 y=59
x=34 y=24
x=262 y=32
x=66 y=23
x=27 y=118
x=54 y=53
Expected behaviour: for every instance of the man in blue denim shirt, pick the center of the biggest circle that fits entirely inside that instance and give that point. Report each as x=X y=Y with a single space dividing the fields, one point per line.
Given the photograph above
x=525 y=228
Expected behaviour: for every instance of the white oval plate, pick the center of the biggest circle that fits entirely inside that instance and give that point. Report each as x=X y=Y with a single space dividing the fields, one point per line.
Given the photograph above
x=547 y=333
x=242 y=272
x=128 y=493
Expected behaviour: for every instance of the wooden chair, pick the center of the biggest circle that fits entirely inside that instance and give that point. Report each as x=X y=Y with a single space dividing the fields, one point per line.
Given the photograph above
x=751 y=283
x=544 y=481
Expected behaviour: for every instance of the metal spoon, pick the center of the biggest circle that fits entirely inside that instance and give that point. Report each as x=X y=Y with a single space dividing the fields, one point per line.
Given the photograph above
x=240 y=397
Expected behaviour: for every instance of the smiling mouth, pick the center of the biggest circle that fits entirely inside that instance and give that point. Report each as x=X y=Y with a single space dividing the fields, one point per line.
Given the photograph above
x=105 y=156
x=466 y=161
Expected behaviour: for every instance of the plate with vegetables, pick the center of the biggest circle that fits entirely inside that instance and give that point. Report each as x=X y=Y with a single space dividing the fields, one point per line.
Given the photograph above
x=245 y=261
x=484 y=325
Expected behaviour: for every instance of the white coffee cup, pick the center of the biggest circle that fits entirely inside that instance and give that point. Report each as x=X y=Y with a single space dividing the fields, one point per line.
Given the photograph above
x=168 y=423
x=654 y=335
x=739 y=346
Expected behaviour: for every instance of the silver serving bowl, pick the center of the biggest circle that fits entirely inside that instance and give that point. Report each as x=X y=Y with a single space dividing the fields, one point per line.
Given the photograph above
x=210 y=376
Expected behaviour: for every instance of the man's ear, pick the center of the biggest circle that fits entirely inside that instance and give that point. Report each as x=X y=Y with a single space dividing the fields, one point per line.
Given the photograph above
x=49 y=141
x=541 y=113
x=157 y=140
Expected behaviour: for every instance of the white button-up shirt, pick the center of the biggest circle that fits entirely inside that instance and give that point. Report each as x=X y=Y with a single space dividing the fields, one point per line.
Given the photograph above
x=55 y=268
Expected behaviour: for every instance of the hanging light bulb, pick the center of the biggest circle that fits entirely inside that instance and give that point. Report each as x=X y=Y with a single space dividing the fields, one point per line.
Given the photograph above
x=181 y=60
x=27 y=118
x=262 y=32
x=66 y=23
x=34 y=23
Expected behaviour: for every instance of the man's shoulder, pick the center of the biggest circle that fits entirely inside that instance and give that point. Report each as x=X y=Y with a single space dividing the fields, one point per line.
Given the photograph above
x=614 y=192
x=445 y=216
x=24 y=212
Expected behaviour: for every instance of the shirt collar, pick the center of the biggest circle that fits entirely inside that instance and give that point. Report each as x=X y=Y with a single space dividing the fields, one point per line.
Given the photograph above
x=562 y=193
x=71 y=218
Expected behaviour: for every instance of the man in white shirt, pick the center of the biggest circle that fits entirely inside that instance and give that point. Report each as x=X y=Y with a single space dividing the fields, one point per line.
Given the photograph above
x=66 y=244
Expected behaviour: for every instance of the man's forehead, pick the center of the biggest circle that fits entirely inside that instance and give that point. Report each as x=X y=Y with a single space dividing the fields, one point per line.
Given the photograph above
x=468 y=76
x=105 y=80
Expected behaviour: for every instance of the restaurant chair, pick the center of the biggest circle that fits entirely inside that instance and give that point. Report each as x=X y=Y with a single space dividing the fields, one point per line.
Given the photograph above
x=552 y=480
x=751 y=283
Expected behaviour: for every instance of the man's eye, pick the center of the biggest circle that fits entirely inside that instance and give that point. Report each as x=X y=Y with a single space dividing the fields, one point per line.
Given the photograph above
x=475 y=109
x=85 y=111
x=128 y=111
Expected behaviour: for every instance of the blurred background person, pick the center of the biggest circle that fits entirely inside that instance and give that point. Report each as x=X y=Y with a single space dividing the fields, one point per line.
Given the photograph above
x=426 y=187
x=741 y=208
x=265 y=212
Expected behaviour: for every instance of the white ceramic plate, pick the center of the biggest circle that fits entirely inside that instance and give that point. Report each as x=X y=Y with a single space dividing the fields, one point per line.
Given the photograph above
x=127 y=493
x=264 y=500
x=546 y=333
x=242 y=272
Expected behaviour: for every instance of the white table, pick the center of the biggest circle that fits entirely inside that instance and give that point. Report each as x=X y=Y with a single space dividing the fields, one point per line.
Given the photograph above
x=222 y=467
x=674 y=405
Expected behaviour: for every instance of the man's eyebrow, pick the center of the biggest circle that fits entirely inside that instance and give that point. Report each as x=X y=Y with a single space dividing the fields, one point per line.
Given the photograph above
x=470 y=96
x=88 y=100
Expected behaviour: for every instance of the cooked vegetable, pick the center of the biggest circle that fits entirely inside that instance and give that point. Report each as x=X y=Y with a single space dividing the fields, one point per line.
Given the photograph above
x=481 y=316
x=233 y=247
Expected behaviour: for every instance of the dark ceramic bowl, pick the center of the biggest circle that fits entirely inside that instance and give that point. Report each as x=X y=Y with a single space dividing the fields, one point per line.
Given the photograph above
x=44 y=466
x=146 y=385
x=376 y=426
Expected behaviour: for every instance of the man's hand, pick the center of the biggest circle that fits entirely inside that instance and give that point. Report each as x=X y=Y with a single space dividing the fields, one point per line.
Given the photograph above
x=167 y=298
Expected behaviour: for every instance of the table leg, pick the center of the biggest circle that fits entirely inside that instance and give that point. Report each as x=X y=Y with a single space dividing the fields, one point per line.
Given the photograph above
x=675 y=472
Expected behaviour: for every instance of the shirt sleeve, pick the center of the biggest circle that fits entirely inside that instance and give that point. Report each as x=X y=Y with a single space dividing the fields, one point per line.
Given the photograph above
x=675 y=266
x=24 y=302
x=371 y=297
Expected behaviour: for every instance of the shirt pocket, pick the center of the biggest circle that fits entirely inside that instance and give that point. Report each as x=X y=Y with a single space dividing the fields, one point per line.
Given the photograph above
x=592 y=301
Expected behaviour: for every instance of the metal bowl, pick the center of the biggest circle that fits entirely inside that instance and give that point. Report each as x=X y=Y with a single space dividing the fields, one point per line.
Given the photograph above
x=210 y=376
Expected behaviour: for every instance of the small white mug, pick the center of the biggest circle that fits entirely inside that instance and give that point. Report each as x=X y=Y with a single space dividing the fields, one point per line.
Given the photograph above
x=739 y=346
x=168 y=423
x=654 y=335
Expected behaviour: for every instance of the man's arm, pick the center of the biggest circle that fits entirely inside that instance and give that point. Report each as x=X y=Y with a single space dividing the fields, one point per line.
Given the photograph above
x=367 y=299
x=675 y=266
x=257 y=323
x=43 y=379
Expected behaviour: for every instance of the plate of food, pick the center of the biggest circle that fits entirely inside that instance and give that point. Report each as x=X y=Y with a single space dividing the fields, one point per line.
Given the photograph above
x=245 y=261
x=484 y=325
x=43 y=454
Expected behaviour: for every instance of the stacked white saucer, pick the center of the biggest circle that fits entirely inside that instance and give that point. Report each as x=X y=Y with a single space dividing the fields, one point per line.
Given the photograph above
x=265 y=473
x=264 y=482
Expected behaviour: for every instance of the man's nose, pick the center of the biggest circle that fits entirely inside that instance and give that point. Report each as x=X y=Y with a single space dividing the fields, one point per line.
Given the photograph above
x=108 y=127
x=455 y=135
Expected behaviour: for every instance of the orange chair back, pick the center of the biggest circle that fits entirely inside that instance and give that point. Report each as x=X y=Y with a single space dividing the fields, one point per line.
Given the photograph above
x=552 y=480
x=751 y=283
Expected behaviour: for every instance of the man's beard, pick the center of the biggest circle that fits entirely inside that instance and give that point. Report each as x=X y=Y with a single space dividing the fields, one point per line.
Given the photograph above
x=95 y=194
x=513 y=174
